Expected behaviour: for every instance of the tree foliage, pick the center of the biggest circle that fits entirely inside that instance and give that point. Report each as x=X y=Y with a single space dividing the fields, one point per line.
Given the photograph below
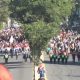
x=47 y=10
x=39 y=34
x=4 y=10
x=41 y=18
x=39 y=30
x=74 y=19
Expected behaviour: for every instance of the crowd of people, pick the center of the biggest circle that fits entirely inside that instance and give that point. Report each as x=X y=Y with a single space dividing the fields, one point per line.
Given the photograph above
x=63 y=45
x=13 y=42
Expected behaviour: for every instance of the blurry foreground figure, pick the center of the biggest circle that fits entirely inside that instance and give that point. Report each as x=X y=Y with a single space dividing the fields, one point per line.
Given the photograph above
x=41 y=72
x=4 y=73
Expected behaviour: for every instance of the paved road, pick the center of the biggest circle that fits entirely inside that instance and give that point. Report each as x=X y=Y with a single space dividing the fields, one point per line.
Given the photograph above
x=19 y=69
x=69 y=71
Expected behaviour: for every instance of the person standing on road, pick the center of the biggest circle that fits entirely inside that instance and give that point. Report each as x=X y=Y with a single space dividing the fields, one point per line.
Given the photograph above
x=24 y=55
x=78 y=50
x=72 y=50
x=6 y=56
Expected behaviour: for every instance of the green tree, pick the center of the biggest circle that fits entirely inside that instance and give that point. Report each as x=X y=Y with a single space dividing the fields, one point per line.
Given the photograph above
x=38 y=34
x=75 y=16
x=42 y=18
x=47 y=10
x=4 y=11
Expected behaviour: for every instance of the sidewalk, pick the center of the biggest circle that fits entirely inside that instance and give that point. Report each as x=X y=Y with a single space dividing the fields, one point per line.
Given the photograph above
x=36 y=67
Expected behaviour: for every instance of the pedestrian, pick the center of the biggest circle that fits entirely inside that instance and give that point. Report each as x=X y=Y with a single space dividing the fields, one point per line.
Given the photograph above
x=72 y=50
x=24 y=55
x=6 y=56
x=12 y=52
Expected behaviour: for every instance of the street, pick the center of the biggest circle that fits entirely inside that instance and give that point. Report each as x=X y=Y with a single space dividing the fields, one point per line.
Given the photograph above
x=69 y=71
x=20 y=70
